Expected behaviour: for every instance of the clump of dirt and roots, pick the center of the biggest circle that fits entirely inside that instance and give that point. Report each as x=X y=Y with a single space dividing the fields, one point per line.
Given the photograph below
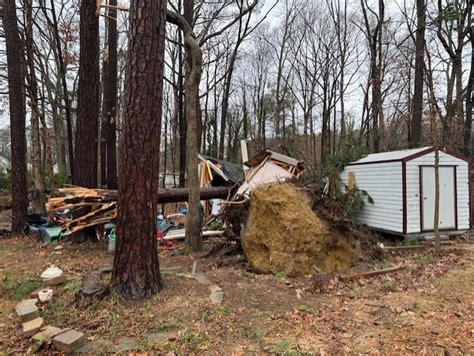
x=298 y=231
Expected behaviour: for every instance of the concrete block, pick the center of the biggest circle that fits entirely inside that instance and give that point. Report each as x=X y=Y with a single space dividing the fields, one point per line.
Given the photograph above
x=46 y=333
x=27 y=310
x=54 y=280
x=68 y=341
x=32 y=327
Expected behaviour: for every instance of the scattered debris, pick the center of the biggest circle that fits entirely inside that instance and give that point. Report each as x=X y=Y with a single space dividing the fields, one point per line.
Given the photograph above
x=372 y=273
x=217 y=294
x=68 y=340
x=45 y=295
x=53 y=276
x=27 y=310
x=267 y=167
x=46 y=333
x=31 y=327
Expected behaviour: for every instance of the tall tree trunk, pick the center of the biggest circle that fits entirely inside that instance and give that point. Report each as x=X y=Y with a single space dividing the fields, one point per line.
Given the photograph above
x=17 y=116
x=136 y=271
x=38 y=194
x=193 y=51
x=417 y=110
x=181 y=116
x=87 y=126
x=469 y=99
x=110 y=96
x=58 y=52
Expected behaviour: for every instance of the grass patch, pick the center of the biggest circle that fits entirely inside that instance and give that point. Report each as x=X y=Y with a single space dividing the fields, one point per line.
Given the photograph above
x=200 y=342
x=18 y=288
x=423 y=260
x=282 y=347
x=162 y=327
x=72 y=285
x=224 y=309
x=280 y=274
x=390 y=286
x=305 y=309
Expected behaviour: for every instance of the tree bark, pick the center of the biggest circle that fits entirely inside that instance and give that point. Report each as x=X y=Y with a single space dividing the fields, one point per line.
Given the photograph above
x=136 y=271
x=110 y=97
x=417 y=110
x=16 y=95
x=469 y=99
x=176 y=195
x=38 y=193
x=87 y=126
x=193 y=229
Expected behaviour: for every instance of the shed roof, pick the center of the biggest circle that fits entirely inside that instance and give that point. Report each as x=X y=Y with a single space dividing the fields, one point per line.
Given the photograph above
x=391 y=156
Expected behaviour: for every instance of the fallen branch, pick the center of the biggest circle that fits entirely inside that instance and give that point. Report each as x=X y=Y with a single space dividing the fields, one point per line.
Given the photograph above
x=372 y=273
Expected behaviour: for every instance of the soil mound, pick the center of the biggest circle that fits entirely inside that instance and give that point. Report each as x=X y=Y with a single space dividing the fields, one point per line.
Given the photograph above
x=283 y=234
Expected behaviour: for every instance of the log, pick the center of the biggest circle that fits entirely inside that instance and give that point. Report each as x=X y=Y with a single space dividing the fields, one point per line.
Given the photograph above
x=175 y=195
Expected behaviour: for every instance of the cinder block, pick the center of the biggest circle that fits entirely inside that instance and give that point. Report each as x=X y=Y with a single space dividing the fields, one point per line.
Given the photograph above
x=32 y=327
x=68 y=341
x=27 y=310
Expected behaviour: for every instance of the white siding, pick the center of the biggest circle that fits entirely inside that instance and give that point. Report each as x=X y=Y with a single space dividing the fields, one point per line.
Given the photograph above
x=383 y=182
x=413 y=189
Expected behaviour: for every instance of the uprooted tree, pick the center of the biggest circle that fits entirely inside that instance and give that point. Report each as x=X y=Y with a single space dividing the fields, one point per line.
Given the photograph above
x=136 y=272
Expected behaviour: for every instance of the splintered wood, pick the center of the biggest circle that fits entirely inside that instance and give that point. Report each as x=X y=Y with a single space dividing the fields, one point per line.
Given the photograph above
x=89 y=207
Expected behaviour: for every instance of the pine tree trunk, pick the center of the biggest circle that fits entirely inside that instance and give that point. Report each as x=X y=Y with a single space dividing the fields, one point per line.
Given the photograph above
x=110 y=97
x=16 y=95
x=136 y=271
x=87 y=126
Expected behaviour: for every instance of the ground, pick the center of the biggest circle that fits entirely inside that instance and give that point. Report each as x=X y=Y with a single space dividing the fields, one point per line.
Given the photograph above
x=425 y=308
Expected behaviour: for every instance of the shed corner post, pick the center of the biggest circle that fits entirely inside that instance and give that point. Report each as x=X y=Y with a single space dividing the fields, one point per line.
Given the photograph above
x=404 y=196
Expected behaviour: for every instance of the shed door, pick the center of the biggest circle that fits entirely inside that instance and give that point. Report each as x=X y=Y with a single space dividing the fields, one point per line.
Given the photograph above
x=447 y=196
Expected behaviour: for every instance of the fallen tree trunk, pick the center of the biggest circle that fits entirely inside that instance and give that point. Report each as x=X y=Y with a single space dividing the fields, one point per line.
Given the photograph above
x=175 y=195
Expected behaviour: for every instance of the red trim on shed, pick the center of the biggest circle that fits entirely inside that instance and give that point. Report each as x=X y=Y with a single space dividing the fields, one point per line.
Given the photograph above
x=404 y=195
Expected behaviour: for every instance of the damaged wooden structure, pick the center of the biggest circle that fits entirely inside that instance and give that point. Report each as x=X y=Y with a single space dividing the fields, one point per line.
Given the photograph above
x=266 y=167
x=91 y=207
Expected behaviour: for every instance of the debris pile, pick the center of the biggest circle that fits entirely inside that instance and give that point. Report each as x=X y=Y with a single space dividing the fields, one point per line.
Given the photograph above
x=81 y=208
x=284 y=235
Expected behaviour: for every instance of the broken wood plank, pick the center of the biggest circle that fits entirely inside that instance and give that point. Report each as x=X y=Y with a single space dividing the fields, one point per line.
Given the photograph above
x=372 y=273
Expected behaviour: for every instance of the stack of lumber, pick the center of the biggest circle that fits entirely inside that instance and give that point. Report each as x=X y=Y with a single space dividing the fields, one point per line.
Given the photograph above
x=91 y=207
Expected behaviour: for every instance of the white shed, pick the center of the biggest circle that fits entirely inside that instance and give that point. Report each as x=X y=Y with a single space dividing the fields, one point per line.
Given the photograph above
x=402 y=186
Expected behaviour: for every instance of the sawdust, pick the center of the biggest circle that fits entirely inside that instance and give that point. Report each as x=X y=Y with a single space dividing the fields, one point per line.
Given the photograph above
x=284 y=235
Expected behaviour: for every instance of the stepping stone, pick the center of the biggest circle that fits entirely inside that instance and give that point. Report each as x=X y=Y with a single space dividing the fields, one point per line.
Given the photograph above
x=68 y=340
x=46 y=333
x=31 y=327
x=217 y=294
x=27 y=310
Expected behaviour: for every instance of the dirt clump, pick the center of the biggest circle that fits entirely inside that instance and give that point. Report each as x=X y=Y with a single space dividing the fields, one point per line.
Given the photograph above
x=284 y=235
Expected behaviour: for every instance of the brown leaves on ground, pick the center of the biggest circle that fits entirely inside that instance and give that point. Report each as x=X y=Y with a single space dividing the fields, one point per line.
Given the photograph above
x=425 y=308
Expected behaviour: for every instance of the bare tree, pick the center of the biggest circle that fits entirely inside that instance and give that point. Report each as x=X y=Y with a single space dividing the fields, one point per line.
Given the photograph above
x=417 y=114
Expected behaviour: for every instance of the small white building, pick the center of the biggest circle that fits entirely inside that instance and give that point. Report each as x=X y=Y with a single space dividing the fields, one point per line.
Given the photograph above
x=402 y=186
